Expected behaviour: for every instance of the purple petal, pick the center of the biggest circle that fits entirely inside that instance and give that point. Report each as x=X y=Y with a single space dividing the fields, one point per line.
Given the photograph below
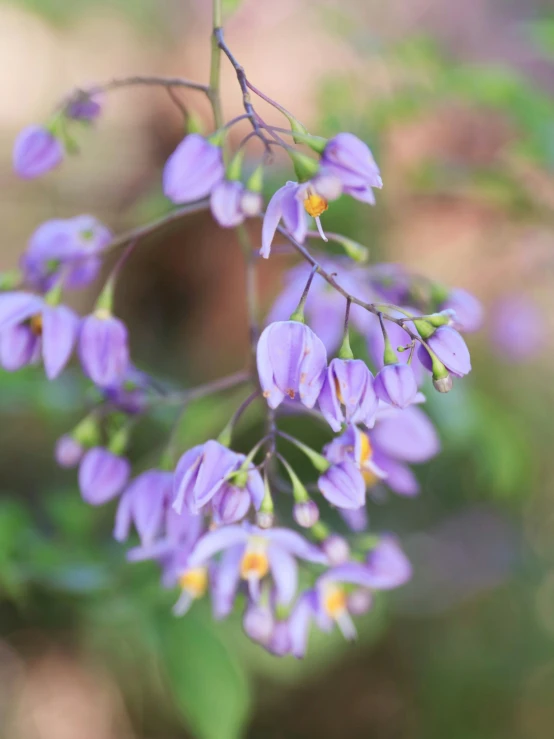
x=225 y=203
x=217 y=462
x=185 y=477
x=193 y=170
x=399 y=477
x=468 y=310
x=19 y=346
x=103 y=350
x=215 y=541
x=396 y=384
x=295 y=544
x=343 y=485
x=60 y=327
x=102 y=475
x=450 y=348
x=406 y=435
x=273 y=215
x=284 y=571
x=387 y=565
x=299 y=623
x=226 y=581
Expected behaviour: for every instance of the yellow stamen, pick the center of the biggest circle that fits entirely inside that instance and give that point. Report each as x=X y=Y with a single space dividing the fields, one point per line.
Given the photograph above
x=338 y=391
x=334 y=601
x=366 y=450
x=36 y=324
x=315 y=205
x=370 y=478
x=195 y=581
x=254 y=564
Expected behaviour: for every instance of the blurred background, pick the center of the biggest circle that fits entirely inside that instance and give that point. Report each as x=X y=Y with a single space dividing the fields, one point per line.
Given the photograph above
x=456 y=101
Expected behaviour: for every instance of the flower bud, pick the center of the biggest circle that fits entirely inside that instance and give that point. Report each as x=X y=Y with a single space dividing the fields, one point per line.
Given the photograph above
x=359 y=602
x=280 y=642
x=443 y=384
x=251 y=203
x=306 y=513
x=36 y=151
x=336 y=548
x=265 y=519
x=68 y=451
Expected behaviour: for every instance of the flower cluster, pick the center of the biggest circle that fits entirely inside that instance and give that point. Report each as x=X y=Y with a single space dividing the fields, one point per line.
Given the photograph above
x=210 y=516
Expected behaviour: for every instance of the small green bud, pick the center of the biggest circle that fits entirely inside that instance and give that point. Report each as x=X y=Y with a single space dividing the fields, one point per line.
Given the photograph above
x=425 y=329
x=256 y=180
x=234 y=168
x=305 y=167
x=87 y=432
x=357 y=252
x=444 y=318
x=195 y=124
x=345 y=351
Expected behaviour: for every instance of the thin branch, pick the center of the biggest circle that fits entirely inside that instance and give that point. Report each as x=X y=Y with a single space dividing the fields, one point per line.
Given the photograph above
x=137 y=81
x=201 y=391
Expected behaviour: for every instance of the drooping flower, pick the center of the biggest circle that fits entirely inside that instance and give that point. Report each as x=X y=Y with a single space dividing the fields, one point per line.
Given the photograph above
x=468 y=311
x=144 y=504
x=396 y=384
x=103 y=348
x=329 y=602
x=293 y=203
x=193 y=170
x=72 y=246
x=347 y=394
x=258 y=623
x=29 y=328
x=102 y=475
x=84 y=107
x=232 y=502
x=36 y=151
x=305 y=513
x=68 y=452
x=291 y=361
x=451 y=350
x=398 y=337
x=201 y=473
x=350 y=160
x=231 y=203
x=251 y=553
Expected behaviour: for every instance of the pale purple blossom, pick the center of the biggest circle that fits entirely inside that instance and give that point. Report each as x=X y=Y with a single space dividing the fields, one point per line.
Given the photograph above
x=347 y=395
x=36 y=151
x=193 y=170
x=102 y=475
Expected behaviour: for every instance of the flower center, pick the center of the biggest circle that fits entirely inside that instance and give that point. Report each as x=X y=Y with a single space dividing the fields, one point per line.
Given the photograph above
x=195 y=581
x=36 y=324
x=254 y=564
x=315 y=205
x=334 y=601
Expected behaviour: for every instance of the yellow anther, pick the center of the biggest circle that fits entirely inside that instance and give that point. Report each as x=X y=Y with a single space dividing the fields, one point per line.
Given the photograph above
x=366 y=450
x=334 y=601
x=315 y=205
x=370 y=478
x=254 y=564
x=195 y=581
x=338 y=391
x=36 y=324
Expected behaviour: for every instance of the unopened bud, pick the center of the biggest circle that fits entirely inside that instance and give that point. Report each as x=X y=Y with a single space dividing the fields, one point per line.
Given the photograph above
x=68 y=451
x=336 y=548
x=306 y=513
x=443 y=384
x=265 y=519
x=258 y=623
x=251 y=203
x=359 y=602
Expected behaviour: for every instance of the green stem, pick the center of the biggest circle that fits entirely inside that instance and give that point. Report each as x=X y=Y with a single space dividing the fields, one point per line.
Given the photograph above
x=215 y=66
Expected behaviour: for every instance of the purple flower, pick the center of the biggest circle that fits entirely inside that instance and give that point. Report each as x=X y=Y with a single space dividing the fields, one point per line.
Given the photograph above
x=291 y=361
x=144 y=504
x=30 y=327
x=350 y=160
x=396 y=384
x=35 y=152
x=387 y=565
x=347 y=394
x=68 y=451
x=231 y=203
x=232 y=502
x=103 y=349
x=468 y=310
x=252 y=553
x=292 y=204
x=201 y=472
x=326 y=604
x=517 y=328
x=343 y=485
x=102 y=475
x=72 y=245
x=193 y=170
x=450 y=349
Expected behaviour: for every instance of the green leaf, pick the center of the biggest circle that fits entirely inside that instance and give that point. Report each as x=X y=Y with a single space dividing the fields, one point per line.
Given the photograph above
x=207 y=681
